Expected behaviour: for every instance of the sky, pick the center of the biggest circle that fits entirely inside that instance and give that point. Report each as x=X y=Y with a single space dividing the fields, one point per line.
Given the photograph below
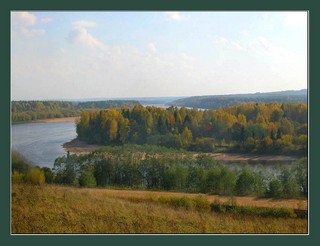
x=76 y=55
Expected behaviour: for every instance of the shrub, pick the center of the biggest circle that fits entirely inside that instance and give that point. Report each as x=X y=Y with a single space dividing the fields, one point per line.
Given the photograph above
x=35 y=176
x=87 y=178
x=275 y=188
x=245 y=182
x=197 y=203
x=19 y=163
x=291 y=188
x=255 y=211
x=17 y=177
x=201 y=203
x=49 y=175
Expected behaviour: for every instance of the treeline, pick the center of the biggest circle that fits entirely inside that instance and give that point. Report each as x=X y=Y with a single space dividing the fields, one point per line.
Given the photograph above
x=248 y=127
x=35 y=110
x=172 y=171
x=159 y=168
x=215 y=102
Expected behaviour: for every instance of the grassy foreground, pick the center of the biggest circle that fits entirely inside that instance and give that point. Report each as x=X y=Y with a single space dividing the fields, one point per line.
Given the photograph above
x=57 y=209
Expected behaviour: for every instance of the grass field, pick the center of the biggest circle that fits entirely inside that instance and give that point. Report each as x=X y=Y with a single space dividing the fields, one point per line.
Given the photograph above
x=58 y=209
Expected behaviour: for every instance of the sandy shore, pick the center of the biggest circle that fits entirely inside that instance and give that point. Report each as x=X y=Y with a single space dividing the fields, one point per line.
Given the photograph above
x=79 y=147
x=252 y=157
x=66 y=119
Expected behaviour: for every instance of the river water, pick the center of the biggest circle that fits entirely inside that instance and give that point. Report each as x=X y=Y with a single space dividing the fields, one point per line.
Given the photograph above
x=41 y=143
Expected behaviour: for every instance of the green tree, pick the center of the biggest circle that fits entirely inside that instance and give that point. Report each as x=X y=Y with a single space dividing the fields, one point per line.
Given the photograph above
x=276 y=115
x=301 y=175
x=66 y=169
x=87 y=178
x=245 y=183
x=49 y=175
x=275 y=188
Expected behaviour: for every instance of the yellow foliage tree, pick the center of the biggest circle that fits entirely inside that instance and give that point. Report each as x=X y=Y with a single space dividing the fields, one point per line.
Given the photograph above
x=113 y=132
x=35 y=176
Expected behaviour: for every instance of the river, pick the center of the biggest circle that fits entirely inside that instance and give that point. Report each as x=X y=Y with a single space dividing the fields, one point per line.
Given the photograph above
x=41 y=143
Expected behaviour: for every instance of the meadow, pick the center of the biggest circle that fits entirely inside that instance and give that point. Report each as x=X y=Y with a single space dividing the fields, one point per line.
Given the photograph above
x=64 y=209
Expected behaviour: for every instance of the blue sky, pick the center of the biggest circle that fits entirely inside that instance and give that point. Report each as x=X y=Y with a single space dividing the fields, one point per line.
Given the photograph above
x=149 y=54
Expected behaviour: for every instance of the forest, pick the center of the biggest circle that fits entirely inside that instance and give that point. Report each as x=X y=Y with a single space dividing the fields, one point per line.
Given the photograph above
x=214 y=102
x=34 y=110
x=273 y=128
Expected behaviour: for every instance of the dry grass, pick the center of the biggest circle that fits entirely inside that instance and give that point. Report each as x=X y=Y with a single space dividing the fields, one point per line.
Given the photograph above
x=56 y=209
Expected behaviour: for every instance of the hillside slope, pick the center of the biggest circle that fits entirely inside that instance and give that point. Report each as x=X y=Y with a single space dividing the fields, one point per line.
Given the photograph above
x=216 y=101
x=58 y=209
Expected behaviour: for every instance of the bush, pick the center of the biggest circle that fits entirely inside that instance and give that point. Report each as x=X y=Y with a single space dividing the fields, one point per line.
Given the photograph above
x=283 y=212
x=87 y=178
x=275 y=188
x=245 y=182
x=17 y=177
x=49 y=175
x=197 y=203
x=291 y=188
x=19 y=163
x=35 y=176
x=201 y=203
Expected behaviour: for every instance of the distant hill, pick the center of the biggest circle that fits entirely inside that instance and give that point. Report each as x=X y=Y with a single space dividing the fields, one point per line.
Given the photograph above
x=216 y=101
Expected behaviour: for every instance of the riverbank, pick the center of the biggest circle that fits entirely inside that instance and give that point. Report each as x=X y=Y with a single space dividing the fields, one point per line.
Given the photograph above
x=252 y=157
x=79 y=147
x=54 y=120
x=51 y=120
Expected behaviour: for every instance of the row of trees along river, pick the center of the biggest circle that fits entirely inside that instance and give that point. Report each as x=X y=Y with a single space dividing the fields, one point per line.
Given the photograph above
x=160 y=168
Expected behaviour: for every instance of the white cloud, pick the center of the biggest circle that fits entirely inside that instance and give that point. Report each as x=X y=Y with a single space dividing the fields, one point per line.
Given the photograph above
x=152 y=48
x=174 y=16
x=259 y=62
x=227 y=44
x=244 y=32
x=83 y=24
x=23 y=18
x=296 y=19
x=113 y=71
x=32 y=31
x=25 y=23
x=80 y=35
x=45 y=20
x=237 y=46
x=220 y=40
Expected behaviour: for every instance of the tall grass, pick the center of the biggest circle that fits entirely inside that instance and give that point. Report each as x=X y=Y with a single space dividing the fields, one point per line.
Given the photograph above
x=58 y=209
